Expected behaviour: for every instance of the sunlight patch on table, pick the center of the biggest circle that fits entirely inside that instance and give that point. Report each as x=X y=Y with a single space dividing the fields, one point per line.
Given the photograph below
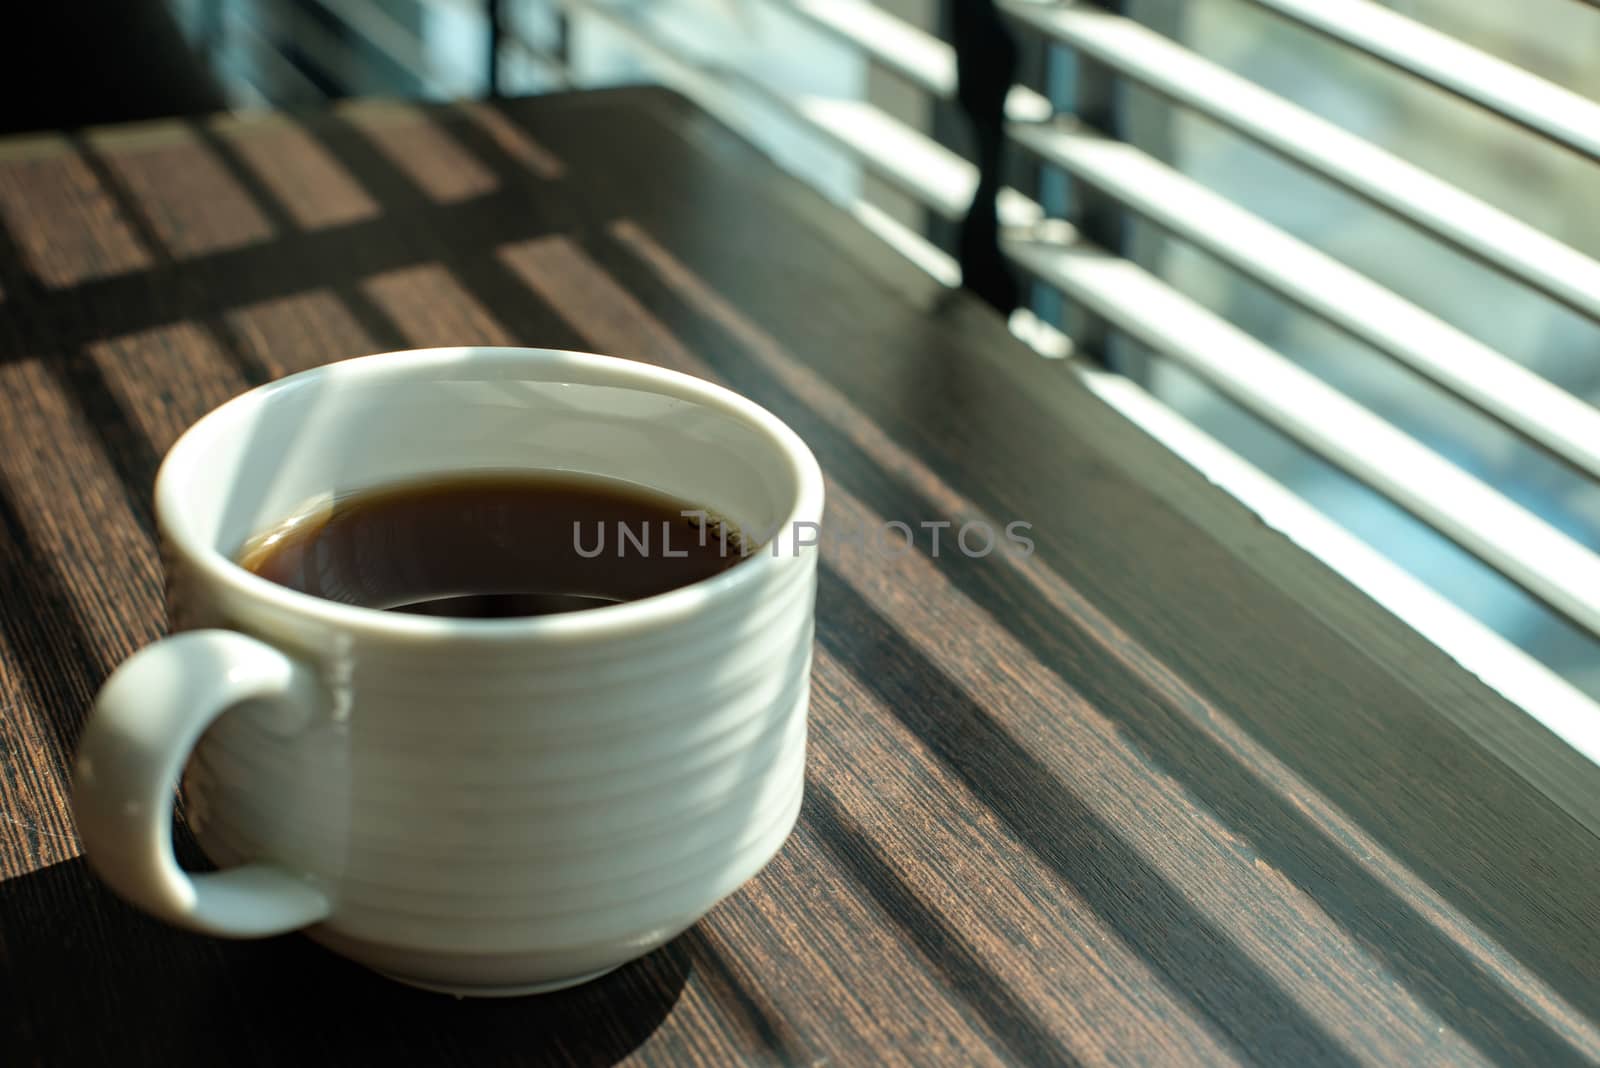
x=431 y=308
x=166 y=378
x=512 y=139
x=309 y=184
x=191 y=203
x=416 y=145
x=65 y=225
x=299 y=331
x=579 y=290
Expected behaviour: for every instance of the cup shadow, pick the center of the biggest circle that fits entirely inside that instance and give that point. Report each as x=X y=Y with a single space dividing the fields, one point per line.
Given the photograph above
x=86 y=979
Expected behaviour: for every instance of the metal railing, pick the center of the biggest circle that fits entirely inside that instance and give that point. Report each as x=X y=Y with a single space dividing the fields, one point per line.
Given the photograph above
x=1549 y=110
x=1448 y=212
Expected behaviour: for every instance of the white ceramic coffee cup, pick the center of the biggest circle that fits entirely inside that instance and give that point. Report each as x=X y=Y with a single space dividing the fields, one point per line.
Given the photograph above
x=476 y=806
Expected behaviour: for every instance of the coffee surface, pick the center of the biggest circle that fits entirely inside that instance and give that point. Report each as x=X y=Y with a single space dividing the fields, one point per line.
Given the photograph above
x=496 y=546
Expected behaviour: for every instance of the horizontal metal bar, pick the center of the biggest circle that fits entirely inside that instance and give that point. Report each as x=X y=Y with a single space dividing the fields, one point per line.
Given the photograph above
x=330 y=55
x=1490 y=82
x=916 y=164
x=916 y=55
x=1539 y=692
x=928 y=172
x=387 y=35
x=1544 y=561
x=241 y=32
x=1500 y=387
x=1499 y=240
x=723 y=100
x=933 y=260
x=913 y=161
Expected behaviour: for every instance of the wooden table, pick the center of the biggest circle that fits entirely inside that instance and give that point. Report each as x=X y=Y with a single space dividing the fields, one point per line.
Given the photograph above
x=1167 y=791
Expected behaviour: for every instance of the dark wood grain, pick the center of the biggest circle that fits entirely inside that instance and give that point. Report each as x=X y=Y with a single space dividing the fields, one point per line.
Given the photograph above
x=1165 y=792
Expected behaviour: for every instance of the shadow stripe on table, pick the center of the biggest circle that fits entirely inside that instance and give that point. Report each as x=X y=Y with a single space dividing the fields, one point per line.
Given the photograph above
x=943 y=948
x=40 y=630
x=812 y=927
x=66 y=494
x=769 y=1031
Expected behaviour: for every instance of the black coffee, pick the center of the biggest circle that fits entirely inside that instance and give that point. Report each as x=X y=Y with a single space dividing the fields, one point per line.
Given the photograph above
x=493 y=546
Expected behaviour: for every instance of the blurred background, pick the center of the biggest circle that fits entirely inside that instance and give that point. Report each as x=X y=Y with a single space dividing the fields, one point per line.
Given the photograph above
x=856 y=98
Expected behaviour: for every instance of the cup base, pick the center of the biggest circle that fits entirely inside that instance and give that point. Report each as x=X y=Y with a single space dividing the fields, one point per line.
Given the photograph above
x=525 y=990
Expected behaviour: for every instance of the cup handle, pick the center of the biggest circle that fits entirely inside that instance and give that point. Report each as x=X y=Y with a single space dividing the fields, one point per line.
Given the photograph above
x=148 y=716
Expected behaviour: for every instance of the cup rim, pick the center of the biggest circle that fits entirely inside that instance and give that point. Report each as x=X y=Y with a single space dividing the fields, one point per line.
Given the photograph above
x=647 y=613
